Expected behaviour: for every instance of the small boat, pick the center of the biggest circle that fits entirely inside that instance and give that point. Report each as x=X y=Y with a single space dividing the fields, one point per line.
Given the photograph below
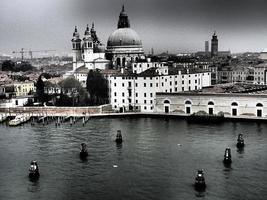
x=200 y=180
x=34 y=170
x=83 y=152
x=20 y=119
x=227 y=156
x=240 y=141
x=118 y=137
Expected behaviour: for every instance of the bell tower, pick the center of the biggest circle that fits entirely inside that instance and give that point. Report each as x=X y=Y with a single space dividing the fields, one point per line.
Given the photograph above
x=214 y=45
x=88 y=47
x=76 y=49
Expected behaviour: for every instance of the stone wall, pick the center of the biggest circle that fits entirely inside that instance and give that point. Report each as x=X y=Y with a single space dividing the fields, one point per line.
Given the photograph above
x=245 y=104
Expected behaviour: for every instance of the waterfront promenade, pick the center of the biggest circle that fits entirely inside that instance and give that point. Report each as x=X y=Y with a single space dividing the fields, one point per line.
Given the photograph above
x=104 y=111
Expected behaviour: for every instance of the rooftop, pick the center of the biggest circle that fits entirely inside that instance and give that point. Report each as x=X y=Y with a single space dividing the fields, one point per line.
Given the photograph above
x=234 y=88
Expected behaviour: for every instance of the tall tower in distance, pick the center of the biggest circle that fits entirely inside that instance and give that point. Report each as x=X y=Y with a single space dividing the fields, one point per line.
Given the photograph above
x=207 y=47
x=214 y=45
x=76 y=48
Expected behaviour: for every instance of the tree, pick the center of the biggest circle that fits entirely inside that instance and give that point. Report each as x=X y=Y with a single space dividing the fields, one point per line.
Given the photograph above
x=97 y=86
x=8 y=65
x=40 y=89
x=73 y=93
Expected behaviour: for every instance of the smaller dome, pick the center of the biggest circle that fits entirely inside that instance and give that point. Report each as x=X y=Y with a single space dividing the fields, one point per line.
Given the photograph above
x=124 y=37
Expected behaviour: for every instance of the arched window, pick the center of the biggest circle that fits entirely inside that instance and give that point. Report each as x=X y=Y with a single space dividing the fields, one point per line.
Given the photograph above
x=259 y=105
x=123 y=61
x=234 y=104
x=188 y=102
x=211 y=103
x=118 y=61
x=166 y=101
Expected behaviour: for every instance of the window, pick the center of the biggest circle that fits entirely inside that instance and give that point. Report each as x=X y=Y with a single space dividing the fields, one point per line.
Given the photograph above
x=182 y=82
x=182 y=88
x=151 y=94
x=115 y=94
x=123 y=101
x=175 y=83
x=123 y=94
x=195 y=87
x=189 y=88
x=162 y=84
x=136 y=85
x=136 y=94
x=170 y=83
x=157 y=85
x=145 y=107
x=170 y=90
x=195 y=81
x=189 y=81
x=122 y=84
x=115 y=100
x=136 y=101
x=144 y=101
x=115 y=84
x=151 y=85
x=151 y=101
x=144 y=84
x=144 y=94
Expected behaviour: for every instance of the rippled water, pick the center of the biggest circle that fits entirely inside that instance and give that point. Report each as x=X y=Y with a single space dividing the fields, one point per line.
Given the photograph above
x=157 y=160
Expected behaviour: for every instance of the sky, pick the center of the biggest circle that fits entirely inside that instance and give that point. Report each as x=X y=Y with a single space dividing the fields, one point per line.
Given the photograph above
x=165 y=25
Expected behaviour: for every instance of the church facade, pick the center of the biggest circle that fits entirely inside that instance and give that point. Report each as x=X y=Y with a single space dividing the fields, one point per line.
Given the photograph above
x=88 y=52
x=124 y=45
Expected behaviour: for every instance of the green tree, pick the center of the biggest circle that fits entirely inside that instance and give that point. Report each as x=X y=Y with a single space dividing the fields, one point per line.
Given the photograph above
x=97 y=86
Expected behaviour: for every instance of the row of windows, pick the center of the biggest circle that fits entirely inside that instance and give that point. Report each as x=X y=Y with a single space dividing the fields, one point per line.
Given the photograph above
x=130 y=94
x=162 y=84
x=188 y=102
x=136 y=101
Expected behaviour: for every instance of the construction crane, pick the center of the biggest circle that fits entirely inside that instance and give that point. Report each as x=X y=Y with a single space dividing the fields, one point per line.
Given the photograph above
x=23 y=51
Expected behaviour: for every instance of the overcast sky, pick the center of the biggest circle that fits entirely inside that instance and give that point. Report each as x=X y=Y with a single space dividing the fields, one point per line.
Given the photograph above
x=173 y=25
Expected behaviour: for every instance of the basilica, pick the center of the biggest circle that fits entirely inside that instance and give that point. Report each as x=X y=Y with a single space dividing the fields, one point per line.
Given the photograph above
x=124 y=47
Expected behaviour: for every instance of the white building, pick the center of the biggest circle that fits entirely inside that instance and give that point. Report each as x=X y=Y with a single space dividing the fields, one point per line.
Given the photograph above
x=250 y=102
x=137 y=91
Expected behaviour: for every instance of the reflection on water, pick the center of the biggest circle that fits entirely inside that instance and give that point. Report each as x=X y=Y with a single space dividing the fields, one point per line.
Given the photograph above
x=156 y=160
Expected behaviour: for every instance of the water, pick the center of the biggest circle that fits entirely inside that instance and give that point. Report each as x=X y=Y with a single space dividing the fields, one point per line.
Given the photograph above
x=157 y=160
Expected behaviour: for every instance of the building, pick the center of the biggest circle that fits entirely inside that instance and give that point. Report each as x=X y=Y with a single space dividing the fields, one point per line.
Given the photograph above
x=124 y=45
x=260 y=74
x=263 y=55
x=136 y=92
x=88 y=52
x=228 y=99
x=214 y=45
x=23 y=88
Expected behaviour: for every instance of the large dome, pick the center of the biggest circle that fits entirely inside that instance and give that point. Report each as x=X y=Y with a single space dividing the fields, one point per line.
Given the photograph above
x=124 y=37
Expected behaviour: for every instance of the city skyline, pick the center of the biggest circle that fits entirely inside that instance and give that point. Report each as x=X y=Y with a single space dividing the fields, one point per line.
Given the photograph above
x=174 y=26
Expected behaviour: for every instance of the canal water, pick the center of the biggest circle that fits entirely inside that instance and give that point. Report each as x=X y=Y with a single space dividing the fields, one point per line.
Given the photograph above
x=157 y=160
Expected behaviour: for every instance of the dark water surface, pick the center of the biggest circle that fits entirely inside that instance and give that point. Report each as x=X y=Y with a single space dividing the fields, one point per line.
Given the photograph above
x=150 y=163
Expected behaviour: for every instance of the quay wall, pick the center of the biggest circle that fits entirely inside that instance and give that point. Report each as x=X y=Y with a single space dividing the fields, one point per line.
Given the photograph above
x=57 y=111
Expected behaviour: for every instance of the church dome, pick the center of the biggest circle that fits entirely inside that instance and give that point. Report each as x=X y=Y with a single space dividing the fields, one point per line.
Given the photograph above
x=124 y=37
